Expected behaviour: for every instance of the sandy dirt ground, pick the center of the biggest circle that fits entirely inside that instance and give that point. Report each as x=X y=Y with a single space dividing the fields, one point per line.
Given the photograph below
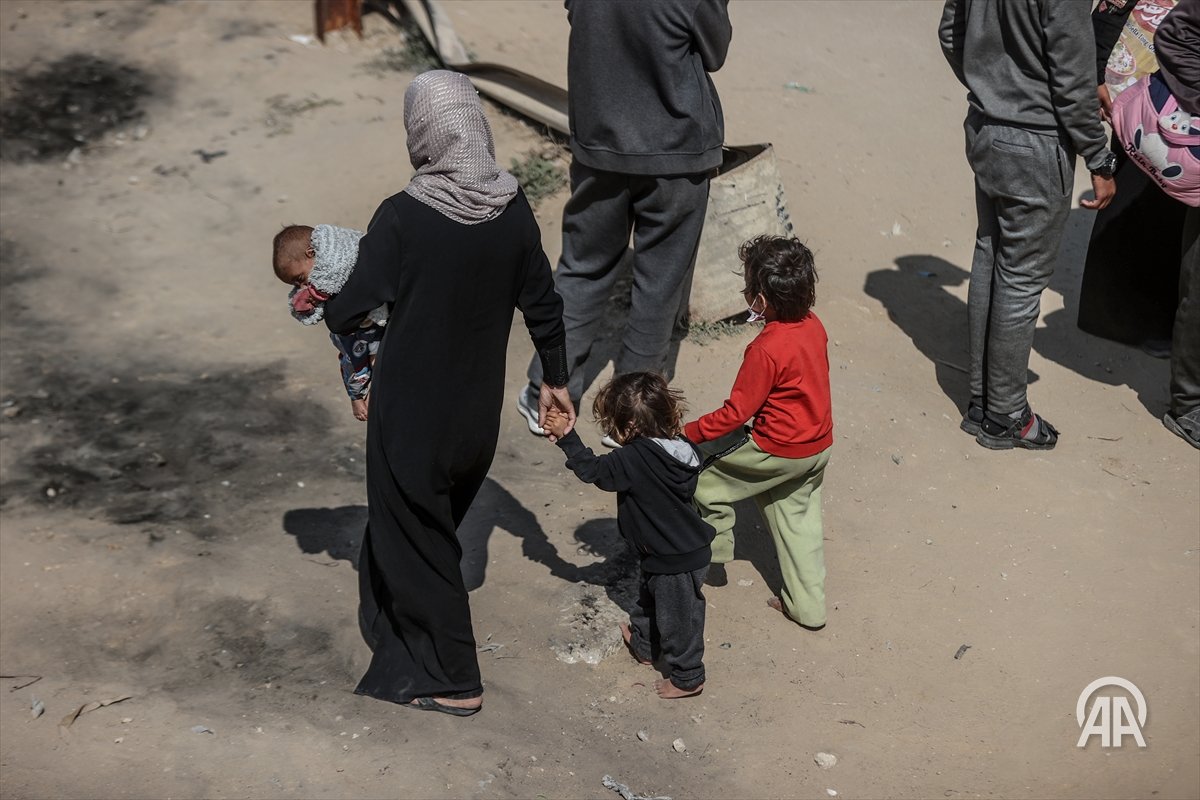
x=183 y=495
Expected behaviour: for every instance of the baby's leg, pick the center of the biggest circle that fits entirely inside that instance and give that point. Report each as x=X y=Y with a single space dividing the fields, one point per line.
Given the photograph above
x=679 y=609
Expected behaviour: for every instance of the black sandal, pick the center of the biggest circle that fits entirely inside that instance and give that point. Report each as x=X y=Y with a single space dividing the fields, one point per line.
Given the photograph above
x=431 y=704
x=1029 y=431
x=973 y=417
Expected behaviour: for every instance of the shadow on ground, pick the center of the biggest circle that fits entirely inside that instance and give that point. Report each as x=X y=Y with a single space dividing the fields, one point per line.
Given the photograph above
x=337 y=533
x=1060 y=341
x=914 y=294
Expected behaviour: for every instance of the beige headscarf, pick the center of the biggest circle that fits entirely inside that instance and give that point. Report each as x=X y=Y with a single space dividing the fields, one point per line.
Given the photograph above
x=450 y=145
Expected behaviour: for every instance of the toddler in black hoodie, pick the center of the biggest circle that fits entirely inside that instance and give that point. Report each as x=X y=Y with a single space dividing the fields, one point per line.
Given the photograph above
x=654 y=475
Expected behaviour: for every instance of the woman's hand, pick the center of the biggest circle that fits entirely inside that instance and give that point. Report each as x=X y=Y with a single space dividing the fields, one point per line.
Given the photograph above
x=556 y=398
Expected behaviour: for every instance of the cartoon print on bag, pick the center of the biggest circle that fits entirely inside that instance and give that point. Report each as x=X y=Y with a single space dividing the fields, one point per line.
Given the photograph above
x=1153 y=147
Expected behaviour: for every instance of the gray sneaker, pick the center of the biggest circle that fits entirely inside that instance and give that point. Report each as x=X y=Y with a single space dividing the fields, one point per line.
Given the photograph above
x=527 y=404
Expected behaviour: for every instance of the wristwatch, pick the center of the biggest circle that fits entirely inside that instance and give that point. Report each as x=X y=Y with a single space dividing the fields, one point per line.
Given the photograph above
x=1105 y=170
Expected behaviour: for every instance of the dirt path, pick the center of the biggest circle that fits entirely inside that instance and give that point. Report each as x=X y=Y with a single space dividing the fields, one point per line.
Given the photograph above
x=182 y=479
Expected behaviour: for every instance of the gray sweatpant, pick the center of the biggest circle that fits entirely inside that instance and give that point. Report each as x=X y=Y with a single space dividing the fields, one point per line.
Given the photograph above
x=666 y=215
x=1023 y=183
x=669 y=622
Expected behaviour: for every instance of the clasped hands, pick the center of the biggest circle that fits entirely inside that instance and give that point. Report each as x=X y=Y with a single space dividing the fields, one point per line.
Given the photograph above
x=556 y=413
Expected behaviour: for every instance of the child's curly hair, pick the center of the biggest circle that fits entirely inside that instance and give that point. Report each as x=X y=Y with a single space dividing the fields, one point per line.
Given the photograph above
x=639 y=404
x=781 y=269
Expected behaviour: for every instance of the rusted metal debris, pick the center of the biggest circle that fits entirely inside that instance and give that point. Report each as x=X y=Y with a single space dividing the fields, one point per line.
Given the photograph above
x=334 y=15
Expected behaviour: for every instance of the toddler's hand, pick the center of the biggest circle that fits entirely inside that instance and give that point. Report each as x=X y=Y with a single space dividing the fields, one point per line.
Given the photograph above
x=555 y=398
x=557 y=423
x=359 y=407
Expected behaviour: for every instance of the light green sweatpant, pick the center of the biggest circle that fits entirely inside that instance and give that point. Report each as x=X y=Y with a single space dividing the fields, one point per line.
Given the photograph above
x=788 y=494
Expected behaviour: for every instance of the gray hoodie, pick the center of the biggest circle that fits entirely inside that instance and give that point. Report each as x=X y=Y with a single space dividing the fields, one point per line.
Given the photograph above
x=639 y=97
x=1030 y=64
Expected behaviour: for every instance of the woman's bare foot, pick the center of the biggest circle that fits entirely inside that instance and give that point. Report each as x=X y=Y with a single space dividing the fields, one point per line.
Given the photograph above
x=627 y=635
x=469 y=702
x=669 y=691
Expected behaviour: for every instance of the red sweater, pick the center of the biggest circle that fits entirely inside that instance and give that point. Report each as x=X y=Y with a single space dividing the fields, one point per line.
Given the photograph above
x=783 y=386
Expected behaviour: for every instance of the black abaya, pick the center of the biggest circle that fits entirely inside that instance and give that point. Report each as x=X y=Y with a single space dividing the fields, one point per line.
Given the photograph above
x=436 y=397
x=1130 y=285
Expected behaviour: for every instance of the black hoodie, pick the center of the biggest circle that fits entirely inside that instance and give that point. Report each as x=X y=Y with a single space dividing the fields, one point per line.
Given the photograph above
x=654 y=500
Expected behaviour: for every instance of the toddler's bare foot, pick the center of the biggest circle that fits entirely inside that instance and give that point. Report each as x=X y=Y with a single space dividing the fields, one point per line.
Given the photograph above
x=627 y=635
x=777 y=604
x=669 y=691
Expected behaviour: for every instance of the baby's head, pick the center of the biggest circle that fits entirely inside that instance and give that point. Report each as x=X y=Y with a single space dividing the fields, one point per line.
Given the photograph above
x=780 y=274
x=293 y=254
x=639 y=404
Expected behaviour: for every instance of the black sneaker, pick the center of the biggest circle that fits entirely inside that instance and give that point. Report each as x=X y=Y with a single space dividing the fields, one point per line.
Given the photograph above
x=974 y=416
x=1028 y=431
x=716 y=575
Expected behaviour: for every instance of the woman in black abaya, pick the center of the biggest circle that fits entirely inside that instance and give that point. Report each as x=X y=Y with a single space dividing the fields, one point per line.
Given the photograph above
x=452 y=256
x=1130 y=285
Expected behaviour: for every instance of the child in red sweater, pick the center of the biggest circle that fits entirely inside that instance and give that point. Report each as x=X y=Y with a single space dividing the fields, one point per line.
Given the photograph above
x=782 y=388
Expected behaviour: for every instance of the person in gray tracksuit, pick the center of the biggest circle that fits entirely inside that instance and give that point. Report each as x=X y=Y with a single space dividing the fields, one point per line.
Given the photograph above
x=1029 y=69
x=646 y=134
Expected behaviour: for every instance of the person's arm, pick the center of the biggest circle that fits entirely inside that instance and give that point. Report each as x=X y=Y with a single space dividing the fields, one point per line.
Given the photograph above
x=605 y=472
x=951 y=33
x=1107 y=21
x=712 y=32
x=750 y=390
x=1177 y=46
x=542 y=308
x=373 y=281
x=1070 y=62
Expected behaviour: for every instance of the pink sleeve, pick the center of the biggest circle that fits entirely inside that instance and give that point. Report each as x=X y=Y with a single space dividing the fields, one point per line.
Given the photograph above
x=750 y=389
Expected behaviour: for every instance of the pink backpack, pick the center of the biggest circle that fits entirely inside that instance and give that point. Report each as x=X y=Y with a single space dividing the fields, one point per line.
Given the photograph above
x=1160 y=137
